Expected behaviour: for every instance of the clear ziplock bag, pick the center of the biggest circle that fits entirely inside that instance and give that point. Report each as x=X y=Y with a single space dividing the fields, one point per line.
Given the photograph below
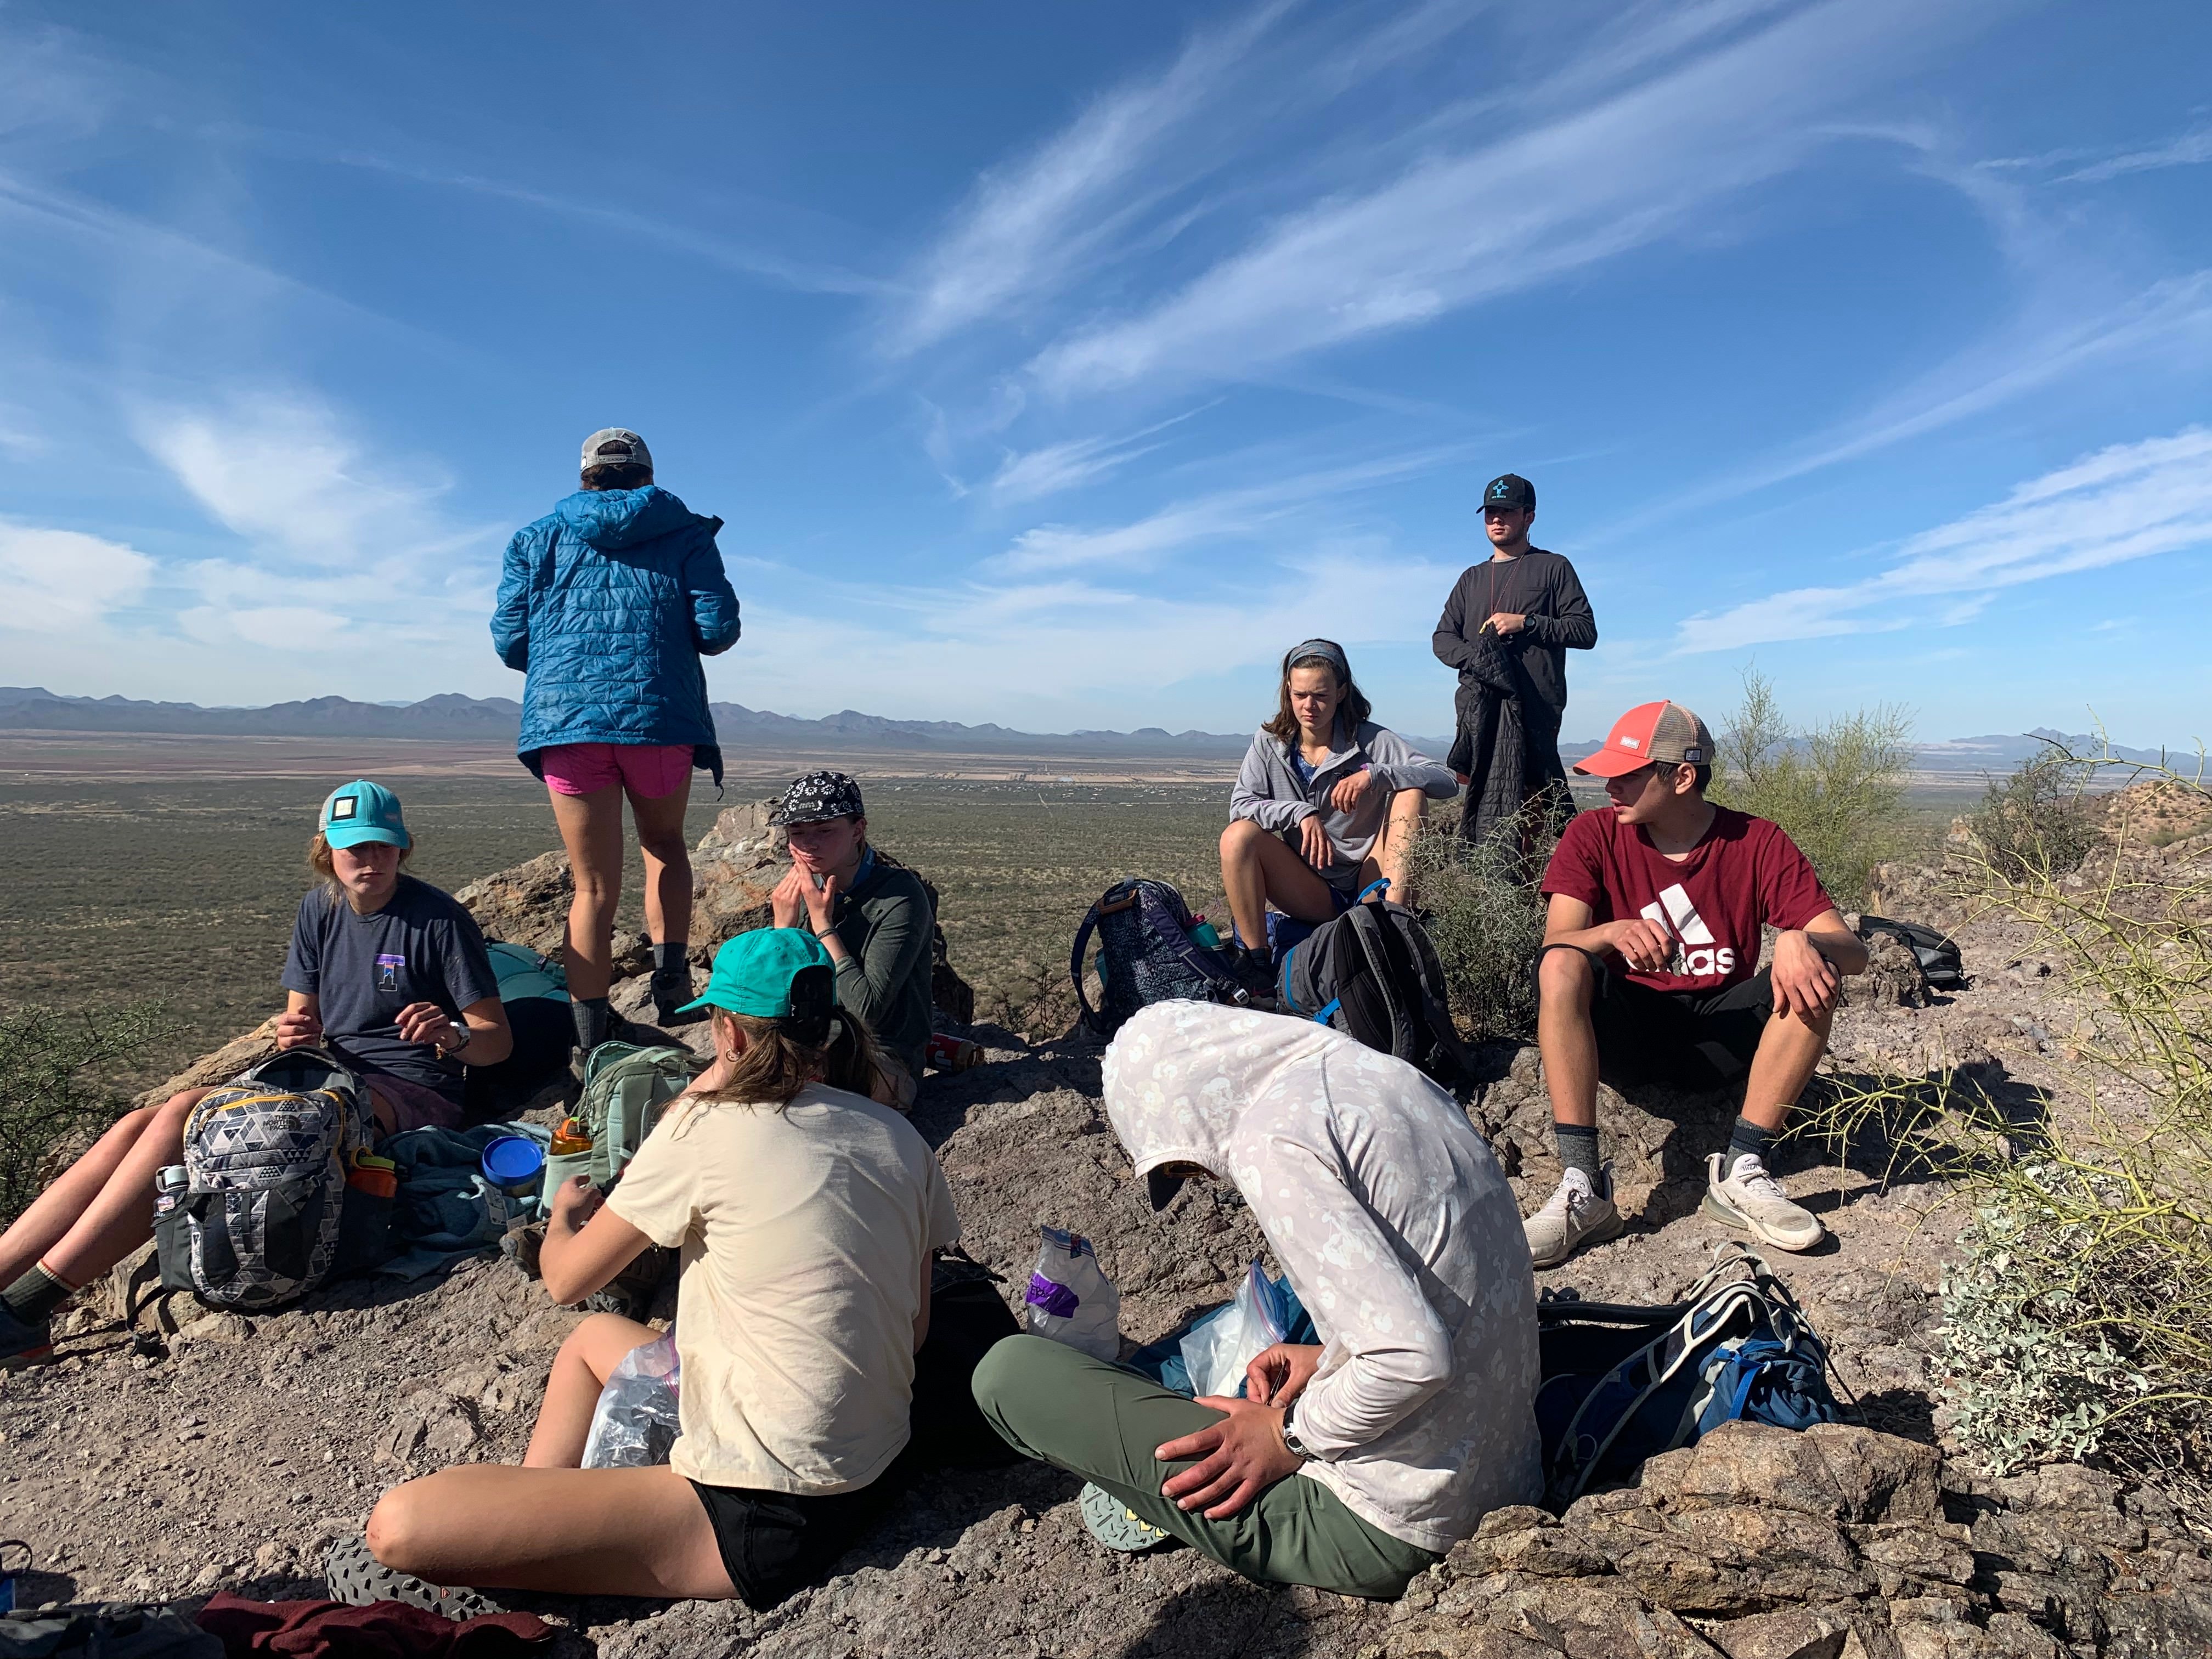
x=634 y=1424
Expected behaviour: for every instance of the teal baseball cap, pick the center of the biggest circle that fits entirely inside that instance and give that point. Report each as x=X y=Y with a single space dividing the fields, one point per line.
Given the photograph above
x=362 y=810
x=771 y=973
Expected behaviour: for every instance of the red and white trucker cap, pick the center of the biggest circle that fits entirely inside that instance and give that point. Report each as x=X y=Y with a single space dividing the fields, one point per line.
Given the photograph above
x=1663 y=731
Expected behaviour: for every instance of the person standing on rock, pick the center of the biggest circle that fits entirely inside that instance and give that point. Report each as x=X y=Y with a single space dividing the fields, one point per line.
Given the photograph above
x=607 y=604
x=387 y=972
x=1507 y=627
x=870 y=913
x=807 y=1216
x=1351 y=1466
x=1649 y=973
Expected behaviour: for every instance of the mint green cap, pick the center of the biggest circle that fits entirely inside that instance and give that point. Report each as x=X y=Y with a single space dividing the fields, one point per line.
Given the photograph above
x=362 y=810
x=754 y=972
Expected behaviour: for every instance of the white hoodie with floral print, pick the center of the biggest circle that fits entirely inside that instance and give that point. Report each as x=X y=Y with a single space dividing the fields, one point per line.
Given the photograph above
x=1396 y=1229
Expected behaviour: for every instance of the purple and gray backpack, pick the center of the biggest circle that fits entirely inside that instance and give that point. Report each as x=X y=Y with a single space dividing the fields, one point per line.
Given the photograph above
x=1146 y=955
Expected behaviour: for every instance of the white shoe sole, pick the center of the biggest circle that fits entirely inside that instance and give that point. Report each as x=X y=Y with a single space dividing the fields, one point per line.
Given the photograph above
x=1728 y=1216
x=1611 y=1227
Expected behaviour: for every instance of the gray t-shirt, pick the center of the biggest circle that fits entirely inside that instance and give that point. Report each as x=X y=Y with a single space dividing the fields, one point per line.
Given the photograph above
x=421 y=947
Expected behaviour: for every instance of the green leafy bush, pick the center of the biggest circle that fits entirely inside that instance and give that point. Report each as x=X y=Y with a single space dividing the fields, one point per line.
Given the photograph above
x=1838 y=788
x=1486 y=919
x=48 y=1094
x=2037 y=819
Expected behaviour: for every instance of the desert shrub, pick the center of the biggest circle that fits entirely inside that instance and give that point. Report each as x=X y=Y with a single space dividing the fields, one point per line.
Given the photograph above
x=1485 y=919
x=1838 y=788
x=2037 y=819
x=49 y=1094
x=2080 y=1321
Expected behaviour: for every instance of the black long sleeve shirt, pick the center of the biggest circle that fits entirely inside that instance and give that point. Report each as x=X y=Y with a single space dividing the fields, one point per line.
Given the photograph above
x=1539 y=586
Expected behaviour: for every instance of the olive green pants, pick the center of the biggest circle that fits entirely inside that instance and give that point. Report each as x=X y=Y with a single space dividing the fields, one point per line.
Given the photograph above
x=1102 y=1422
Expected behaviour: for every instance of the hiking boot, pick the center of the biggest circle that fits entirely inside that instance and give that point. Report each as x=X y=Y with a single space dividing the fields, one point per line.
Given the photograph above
x=22 y=1344
x=1575 y=1215
x=1115 y=1525
x=1254 y=973
x=358 y=1578
x=671 y=991
x=1752 y=1201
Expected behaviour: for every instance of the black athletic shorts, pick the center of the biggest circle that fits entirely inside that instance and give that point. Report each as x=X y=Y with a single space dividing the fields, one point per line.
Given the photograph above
x=775 y=1542
x=1698 y=1040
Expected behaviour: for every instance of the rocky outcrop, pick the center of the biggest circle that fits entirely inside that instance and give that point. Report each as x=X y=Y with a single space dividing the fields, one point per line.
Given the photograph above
x=1761 y=1544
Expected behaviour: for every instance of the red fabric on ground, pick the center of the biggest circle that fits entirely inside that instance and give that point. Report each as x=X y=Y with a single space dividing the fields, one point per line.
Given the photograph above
x=383 y=1630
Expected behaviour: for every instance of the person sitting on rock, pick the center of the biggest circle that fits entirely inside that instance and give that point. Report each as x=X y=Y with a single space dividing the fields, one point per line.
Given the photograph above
x=385 y=971
x=1326 y=803
x=871 y=912
x=1353 y=1465
x=606 y=604
x=806 y=1215
x=1649 y=973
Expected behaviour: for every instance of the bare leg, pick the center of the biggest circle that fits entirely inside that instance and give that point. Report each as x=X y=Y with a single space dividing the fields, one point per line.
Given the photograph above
x=1788 y=1049
x=591 y=831
x=1256 y=867
x=1565 y=983
x=667 y=864
x=580 y=1531
x=101 y=1207
x=579 y=1371
x=1394 y=845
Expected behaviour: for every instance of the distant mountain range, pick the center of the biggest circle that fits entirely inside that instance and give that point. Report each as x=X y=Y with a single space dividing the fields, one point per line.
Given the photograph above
x=453 y=717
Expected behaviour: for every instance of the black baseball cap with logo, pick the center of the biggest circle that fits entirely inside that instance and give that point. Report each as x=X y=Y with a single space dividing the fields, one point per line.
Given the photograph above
x=1509 y=490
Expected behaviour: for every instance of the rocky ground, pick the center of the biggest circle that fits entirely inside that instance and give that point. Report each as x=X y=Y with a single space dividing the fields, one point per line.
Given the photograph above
x=236 y=1459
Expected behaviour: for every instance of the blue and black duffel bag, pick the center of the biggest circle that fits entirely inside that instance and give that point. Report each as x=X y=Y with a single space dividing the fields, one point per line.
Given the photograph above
x=1621 y=1384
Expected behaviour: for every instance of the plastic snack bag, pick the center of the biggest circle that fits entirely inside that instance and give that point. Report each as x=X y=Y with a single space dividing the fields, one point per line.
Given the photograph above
x=1216 y=1349
x=634 y=1424
x=1070 y=1299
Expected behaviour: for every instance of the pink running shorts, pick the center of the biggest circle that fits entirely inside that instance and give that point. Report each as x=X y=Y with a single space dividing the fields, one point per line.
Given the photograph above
x=647 y=770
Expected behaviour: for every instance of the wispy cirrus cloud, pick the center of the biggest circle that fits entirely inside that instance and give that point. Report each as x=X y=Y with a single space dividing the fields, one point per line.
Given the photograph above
x=1473 y=225
x=1030 y=475
x=1221 y=515
x=2133 y=501
x=281 y=471
x=1028 y=224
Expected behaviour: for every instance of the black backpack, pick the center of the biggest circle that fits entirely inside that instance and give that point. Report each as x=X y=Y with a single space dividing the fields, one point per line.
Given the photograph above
x=1146 y=955
x=1939 y=961
x=1373 y=975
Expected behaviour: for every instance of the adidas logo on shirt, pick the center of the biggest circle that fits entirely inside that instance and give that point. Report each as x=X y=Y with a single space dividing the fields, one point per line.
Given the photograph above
x=1696 y=953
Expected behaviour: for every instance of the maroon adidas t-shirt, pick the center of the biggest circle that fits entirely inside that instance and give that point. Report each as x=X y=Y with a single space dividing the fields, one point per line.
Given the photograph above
x=1745 y=873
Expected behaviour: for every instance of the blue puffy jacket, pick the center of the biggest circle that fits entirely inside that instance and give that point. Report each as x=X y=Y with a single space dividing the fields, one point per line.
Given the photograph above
x=607 y=604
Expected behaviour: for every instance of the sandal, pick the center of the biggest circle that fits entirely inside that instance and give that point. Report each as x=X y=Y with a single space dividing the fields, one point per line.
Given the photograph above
x=358 y=1579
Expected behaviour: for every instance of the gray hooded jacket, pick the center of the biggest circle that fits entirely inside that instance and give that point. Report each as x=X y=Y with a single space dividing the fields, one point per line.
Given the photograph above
x=1269 y=793
x=1397 y=1230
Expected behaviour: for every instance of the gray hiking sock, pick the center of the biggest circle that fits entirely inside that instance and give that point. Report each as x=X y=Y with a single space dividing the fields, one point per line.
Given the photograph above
x=1748 y=1140
x=33 y=1297
x=669 y=959
x=1578 y=1144
x=593 y=1017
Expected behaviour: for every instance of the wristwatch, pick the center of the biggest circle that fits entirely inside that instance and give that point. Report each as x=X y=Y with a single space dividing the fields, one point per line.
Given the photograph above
x=454 y=1029
x=1296 y=1447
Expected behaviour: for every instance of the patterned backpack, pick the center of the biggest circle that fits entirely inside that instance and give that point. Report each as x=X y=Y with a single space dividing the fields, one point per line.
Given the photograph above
x=1146 y=954
x=266 y=1159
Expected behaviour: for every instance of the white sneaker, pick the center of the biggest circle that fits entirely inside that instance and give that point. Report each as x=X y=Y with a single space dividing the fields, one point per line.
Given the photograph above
x=1753 y=1201
x=1576 y=1215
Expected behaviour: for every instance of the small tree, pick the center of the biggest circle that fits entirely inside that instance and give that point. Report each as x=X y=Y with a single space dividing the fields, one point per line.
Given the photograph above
x=1837 y=788
x=48 y=1097
x=2036 y=821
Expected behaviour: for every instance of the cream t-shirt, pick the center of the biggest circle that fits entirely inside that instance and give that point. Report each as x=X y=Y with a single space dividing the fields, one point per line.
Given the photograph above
x=802 y=1232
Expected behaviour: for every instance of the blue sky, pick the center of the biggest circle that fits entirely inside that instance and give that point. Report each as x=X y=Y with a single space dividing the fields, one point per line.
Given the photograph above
x=1060 y=365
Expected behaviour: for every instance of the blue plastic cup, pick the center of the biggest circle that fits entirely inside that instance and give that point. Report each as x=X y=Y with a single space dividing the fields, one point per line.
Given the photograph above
x=515 y=1164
